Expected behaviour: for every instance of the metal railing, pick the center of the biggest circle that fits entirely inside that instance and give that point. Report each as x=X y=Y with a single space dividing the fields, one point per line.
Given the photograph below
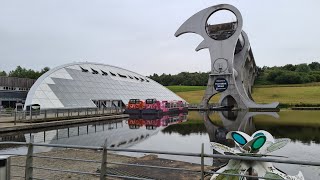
x=57 y=114
x=29 y=167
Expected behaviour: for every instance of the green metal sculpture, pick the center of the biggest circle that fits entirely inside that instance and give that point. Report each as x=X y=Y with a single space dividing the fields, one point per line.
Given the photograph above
x=258 y=145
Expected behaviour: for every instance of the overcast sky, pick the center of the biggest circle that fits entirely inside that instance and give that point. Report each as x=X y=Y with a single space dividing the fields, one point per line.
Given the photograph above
x=139 y=34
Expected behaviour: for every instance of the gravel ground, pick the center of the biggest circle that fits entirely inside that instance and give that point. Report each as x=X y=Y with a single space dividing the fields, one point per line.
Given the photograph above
x=94 y=167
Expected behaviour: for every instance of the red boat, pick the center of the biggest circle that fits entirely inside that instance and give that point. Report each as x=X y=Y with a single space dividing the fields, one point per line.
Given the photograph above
x=135 y=106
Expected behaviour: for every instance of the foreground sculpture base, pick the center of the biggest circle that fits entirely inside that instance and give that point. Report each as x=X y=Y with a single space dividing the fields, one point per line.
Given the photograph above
x=258 y=145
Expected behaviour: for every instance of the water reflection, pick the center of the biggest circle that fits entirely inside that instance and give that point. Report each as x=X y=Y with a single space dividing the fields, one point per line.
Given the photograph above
x=152 y=122
x=231 y=121
x=120 y=133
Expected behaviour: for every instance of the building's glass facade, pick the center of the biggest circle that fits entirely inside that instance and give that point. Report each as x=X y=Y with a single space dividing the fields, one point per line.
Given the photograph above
x=80 y=85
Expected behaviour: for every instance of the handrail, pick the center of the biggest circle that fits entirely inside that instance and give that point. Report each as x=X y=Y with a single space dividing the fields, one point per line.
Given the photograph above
x=104 y=149
x=244 y=158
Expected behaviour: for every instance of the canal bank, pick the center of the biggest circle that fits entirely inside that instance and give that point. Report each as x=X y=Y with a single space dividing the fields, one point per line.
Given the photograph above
x=25 y=125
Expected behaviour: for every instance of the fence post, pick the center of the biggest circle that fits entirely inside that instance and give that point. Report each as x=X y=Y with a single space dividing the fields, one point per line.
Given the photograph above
x=29 y=160
x=202 y=161
x=45 y=114
x=103 y=171
x=15 y=117
x=8 y=168
x=30 y=114
x=102 y=110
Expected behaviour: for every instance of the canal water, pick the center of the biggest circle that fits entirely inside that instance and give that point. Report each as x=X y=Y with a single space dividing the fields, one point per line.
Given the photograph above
x=186 y=133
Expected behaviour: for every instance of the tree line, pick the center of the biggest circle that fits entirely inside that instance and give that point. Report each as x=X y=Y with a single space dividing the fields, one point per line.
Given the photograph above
x=183 y=78
x=21 y=72
x=287 y=74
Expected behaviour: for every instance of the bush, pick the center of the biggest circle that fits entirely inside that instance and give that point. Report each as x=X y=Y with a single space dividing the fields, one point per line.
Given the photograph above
x=289 y=78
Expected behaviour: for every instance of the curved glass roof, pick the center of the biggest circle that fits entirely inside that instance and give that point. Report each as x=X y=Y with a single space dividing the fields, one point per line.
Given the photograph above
x=76 y=85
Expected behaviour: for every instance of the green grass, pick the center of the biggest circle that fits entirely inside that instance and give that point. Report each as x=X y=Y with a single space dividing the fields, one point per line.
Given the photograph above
x=288 y=85
x=186 y=88
x=194 y=97
x=290 y=118
x=288 y=96
x=287 y=118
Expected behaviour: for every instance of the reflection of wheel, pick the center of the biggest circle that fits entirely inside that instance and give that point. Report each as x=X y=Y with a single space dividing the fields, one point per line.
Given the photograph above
x=221 y=134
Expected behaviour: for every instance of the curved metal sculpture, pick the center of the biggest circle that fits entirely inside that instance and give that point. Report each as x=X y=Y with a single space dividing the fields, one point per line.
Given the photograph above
x=233 y=68
x=259 y=144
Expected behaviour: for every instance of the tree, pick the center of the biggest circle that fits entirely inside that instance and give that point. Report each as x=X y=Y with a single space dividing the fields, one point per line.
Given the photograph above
x=289 y=67
x=3 y=73
x=44 y=70
x=314 y=66
x=24 y=73
x=303 y=68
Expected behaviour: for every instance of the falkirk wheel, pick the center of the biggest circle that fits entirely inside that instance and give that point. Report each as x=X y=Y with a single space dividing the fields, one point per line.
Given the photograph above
x=233 y=68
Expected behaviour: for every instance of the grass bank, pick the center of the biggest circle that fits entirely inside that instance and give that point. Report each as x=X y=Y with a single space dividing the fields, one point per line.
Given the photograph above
x=286 y=118
x=288 y=96
x=186 y=88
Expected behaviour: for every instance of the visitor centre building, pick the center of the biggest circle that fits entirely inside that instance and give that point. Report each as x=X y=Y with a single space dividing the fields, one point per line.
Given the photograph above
x=90 y=85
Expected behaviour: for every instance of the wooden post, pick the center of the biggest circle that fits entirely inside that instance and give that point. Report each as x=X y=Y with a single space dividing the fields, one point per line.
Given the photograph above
x=103 y=171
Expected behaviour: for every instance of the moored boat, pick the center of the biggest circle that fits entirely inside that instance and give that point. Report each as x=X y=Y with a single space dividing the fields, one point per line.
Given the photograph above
x=135 y=106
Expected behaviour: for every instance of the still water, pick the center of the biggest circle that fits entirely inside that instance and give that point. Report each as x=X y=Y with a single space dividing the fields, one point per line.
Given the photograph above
x=186 y=133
